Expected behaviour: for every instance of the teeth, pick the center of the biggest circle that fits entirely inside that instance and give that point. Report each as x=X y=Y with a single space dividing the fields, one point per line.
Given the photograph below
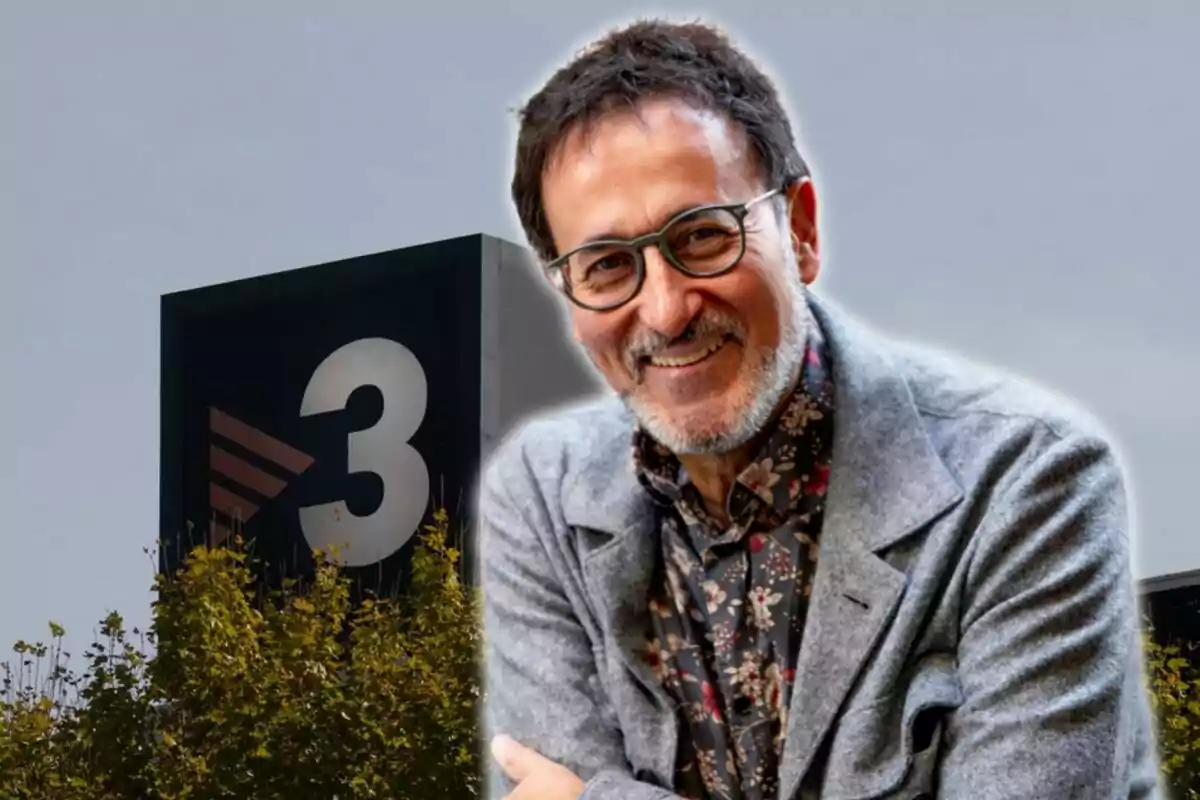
x=683 y=361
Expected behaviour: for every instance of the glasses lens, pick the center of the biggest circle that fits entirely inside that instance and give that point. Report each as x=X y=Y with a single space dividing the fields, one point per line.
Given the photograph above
x=601 y=274
x=706 y=241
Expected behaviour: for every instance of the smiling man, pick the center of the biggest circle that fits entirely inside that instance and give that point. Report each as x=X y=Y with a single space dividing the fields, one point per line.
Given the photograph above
x=789 y=558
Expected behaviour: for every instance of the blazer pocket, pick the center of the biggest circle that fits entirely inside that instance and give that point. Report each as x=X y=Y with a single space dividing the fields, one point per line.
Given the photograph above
x=891 y=749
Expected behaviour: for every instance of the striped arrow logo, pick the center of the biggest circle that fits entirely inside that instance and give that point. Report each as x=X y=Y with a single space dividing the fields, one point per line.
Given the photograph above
x=234 y=507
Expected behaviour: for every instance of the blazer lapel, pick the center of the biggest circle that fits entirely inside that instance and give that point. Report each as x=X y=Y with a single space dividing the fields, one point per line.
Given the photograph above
x=853 y=598
x=617 y=519
x=619 y=576
x=886 y=483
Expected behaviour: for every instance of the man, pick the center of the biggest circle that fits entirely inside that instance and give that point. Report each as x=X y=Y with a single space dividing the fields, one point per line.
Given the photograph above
x=789 y=559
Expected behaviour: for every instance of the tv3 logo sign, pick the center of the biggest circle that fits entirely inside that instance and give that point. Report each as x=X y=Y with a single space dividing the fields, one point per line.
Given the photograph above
x=382 y=449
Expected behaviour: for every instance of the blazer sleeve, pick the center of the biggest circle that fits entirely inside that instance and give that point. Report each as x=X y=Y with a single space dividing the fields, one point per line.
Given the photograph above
x=542 y=686
x=1049 y=654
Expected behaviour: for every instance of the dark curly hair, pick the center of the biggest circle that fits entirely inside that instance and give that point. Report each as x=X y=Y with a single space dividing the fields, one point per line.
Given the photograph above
x=652 y=58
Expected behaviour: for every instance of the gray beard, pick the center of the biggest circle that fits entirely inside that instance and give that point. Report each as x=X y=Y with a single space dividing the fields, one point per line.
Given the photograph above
x=771 y=376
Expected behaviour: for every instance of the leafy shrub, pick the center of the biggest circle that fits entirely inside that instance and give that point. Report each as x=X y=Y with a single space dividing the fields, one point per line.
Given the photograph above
x=287 y=694
x=1173 y=675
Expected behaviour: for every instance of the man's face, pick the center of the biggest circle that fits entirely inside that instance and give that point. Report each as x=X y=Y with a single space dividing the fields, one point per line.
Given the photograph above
x=703 y=362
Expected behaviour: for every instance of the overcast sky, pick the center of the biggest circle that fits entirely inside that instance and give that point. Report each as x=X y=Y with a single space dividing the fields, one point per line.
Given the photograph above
x=1019 y=185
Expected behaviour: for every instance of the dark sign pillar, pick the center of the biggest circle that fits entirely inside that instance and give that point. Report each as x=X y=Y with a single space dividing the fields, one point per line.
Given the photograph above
x=336 y=405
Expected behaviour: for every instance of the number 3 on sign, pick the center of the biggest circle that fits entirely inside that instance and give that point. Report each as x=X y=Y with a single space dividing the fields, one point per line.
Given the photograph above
x=382 y=449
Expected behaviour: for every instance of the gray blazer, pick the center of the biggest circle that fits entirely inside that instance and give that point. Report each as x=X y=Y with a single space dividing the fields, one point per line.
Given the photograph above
x=972 y=631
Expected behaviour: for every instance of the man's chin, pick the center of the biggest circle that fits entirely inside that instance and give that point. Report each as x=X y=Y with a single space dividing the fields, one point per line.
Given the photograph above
x=687 y=430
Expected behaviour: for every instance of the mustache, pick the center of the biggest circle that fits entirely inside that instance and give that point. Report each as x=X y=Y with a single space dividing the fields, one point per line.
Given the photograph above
x=645 y=344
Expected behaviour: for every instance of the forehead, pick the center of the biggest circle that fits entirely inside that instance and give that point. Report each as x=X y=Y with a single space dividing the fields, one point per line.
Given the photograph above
x=629 y=171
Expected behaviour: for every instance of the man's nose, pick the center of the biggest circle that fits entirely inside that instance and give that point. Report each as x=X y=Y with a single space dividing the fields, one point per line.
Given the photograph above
x=668 y=301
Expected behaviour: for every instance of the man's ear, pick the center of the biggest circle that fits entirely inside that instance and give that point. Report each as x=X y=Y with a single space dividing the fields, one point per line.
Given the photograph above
x=802 y=220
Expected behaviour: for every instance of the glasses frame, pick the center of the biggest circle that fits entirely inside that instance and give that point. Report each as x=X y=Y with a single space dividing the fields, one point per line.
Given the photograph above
x=658 y=240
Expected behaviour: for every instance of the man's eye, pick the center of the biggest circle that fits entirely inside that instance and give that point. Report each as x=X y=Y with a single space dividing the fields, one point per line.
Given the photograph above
x=608 y=268
x=609 y=263
x=700 y=234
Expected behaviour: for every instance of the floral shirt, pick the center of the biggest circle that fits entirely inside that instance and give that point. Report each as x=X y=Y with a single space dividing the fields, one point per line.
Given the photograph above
x=728 y=603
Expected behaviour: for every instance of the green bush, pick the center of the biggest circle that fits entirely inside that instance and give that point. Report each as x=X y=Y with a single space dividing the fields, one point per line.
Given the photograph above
x=294 y=696
x=1173 y=675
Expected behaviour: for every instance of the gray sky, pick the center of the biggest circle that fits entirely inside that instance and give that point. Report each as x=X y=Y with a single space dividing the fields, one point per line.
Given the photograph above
x=1018 y=185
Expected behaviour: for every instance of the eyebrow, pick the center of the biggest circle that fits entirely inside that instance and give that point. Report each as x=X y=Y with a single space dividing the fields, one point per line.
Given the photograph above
x=611 y=235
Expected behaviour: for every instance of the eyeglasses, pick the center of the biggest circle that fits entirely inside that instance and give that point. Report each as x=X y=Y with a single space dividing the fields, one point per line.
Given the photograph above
x=702 y=242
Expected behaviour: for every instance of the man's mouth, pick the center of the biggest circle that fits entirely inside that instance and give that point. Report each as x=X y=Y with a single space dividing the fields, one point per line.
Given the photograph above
x=676 y=359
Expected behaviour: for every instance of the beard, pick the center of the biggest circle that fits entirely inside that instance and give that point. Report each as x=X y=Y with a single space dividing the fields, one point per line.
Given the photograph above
x=765 y=377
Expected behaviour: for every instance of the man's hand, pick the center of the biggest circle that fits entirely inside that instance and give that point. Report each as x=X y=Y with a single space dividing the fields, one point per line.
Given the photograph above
x=537 y=777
